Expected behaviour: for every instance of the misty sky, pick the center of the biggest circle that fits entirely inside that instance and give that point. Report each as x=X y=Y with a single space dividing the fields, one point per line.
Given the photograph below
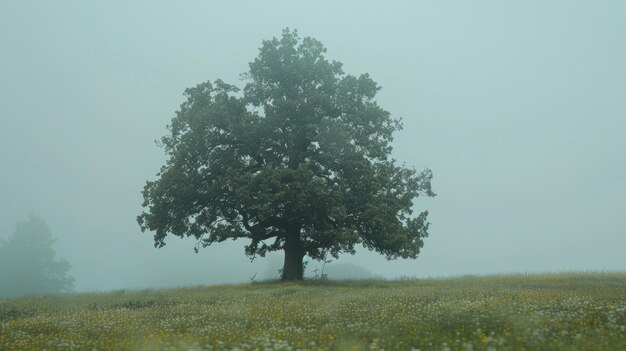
x=518 y=107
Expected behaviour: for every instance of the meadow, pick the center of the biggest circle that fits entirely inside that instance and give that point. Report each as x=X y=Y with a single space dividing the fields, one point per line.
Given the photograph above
x=573 y=311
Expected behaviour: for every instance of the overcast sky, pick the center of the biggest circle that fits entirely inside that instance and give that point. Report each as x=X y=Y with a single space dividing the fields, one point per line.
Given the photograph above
x=518 y=107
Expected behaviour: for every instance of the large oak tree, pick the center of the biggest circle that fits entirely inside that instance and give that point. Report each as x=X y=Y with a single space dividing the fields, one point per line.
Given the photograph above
x=299 y=161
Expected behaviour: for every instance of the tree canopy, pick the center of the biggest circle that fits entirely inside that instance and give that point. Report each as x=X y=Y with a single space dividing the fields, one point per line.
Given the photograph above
x=298 y=161
x=27 y=262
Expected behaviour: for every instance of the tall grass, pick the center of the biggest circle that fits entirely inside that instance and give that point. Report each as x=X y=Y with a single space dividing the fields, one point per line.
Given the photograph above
x=572 y=311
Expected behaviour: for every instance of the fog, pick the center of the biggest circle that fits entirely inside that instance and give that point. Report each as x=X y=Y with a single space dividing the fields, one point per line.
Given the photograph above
x=518 y=108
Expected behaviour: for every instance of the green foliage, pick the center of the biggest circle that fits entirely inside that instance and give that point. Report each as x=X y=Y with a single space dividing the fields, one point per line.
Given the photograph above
x=537 y=312
x=300 y=161
x=27 y=262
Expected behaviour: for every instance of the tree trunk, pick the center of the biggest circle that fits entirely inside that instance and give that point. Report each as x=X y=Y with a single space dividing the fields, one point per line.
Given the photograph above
x=294 y=253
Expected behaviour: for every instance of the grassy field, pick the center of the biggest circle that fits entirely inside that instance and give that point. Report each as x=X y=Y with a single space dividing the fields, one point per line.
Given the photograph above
x=534 y=312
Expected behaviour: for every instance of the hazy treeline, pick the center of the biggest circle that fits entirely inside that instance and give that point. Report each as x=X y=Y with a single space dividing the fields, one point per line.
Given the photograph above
x=28 y=265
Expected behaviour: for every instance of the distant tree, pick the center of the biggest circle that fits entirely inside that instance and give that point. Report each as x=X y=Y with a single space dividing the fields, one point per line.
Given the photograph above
x=299 y=162
x=27 y=262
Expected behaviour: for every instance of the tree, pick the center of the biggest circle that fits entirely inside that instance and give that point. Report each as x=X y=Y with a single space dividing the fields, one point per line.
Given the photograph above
x=299 y=162
x=27 y=262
